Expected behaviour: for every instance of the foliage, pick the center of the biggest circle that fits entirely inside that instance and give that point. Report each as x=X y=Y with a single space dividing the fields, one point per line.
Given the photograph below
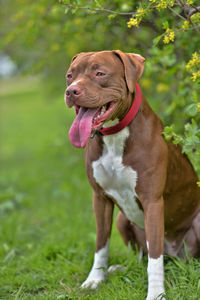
x=43 y=36
x=47 y=234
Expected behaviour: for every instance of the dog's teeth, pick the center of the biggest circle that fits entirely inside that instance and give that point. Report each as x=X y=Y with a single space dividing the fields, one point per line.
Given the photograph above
x=100 y=114
x=103 y=109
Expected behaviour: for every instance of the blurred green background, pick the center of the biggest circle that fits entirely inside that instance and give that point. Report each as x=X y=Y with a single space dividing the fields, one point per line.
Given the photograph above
x=47 y=232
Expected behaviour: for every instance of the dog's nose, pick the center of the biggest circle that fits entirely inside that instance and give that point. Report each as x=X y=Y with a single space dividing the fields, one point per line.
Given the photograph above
x=73 y=91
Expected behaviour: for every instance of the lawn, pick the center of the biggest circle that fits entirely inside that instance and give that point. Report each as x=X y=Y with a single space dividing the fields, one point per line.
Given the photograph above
x=47 y=232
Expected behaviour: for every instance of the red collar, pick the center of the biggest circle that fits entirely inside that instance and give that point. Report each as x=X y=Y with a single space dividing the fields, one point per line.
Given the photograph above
x=129 y=116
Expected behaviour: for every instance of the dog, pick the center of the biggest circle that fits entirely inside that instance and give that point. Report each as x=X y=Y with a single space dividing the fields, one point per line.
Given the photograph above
x=129 y=164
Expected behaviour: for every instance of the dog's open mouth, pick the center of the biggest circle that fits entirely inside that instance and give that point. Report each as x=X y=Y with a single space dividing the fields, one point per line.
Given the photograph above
x=87 y=121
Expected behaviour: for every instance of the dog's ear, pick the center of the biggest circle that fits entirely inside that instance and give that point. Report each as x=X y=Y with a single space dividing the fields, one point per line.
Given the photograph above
x=133 y=66
x=73 y=58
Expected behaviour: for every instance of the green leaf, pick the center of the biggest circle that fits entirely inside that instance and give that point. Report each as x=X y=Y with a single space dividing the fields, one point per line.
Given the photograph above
x=191 y=110
x=168 y=133
x=169 y=129
x=111 y=16
x=157 y=40
x=177 y=139
x=165 y=25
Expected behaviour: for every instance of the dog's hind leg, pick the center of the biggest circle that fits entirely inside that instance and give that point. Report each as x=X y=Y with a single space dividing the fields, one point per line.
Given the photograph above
x=192 y=239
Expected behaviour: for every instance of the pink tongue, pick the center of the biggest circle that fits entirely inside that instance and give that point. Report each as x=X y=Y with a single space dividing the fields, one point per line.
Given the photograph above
x=82 y=126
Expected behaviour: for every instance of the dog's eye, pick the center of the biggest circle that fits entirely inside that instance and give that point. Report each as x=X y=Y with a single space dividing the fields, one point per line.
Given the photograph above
x=69 y=76
x=99 y=74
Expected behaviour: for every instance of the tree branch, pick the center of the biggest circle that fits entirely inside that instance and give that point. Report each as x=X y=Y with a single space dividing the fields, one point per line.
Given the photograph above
x=98 y=9
x=104 y=10
x=188 y=29
x=193 y=11
x=183 y=18
x=194 y=26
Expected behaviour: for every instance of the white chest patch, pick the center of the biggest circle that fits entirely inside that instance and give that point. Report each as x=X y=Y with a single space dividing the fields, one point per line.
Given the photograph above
x=117 y=180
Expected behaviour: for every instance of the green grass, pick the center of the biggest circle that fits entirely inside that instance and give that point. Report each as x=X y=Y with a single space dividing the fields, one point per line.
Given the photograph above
x=47 y=231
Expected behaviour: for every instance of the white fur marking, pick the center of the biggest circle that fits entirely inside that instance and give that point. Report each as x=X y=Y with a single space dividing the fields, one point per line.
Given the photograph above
x=98 y=272
x=75 y=82
x=117 y=180
x=147 y=245
x=155 y=272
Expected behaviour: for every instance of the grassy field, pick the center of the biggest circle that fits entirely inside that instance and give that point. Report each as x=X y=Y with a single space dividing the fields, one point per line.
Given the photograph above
x=47 y=231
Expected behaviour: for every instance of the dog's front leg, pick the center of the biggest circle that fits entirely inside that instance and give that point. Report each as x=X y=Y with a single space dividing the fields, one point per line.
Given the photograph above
x=154 y=227
x=103 y=209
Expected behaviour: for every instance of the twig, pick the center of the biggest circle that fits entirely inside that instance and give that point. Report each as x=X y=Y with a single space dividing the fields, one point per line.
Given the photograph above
x=105 y=10
x=193 y=11
x=193 y=26
x=98 y=9
x=189 y=29
x=179 y=3
x=183 y=18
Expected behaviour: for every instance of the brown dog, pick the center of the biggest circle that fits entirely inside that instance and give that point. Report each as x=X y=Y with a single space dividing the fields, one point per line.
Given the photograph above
x=129 y=164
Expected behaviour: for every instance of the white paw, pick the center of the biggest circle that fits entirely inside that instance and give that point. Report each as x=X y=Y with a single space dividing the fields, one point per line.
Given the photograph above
x=157 y=294
x=94 y=279
x=91 y=284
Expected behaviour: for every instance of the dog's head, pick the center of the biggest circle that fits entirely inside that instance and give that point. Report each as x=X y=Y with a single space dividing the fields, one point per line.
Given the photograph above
x=99 y=85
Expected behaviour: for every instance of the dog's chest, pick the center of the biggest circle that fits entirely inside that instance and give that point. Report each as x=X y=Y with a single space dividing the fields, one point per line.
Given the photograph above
x=116 y=179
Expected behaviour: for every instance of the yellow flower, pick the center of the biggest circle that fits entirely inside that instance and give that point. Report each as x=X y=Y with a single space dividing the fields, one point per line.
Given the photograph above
x=185 y=25
x=162 y=4
x=172 y=36
x=171 y=3
x=195 y=75
x=198 y=183
x=137 y=19
x=133 y=22
x=166 y=39
x=196 y=18
x=198 y=106
x=193 y=66
x=195 y=61
x=141 y=11
x=169 y=36
x=189 y=2
x=152 y=1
